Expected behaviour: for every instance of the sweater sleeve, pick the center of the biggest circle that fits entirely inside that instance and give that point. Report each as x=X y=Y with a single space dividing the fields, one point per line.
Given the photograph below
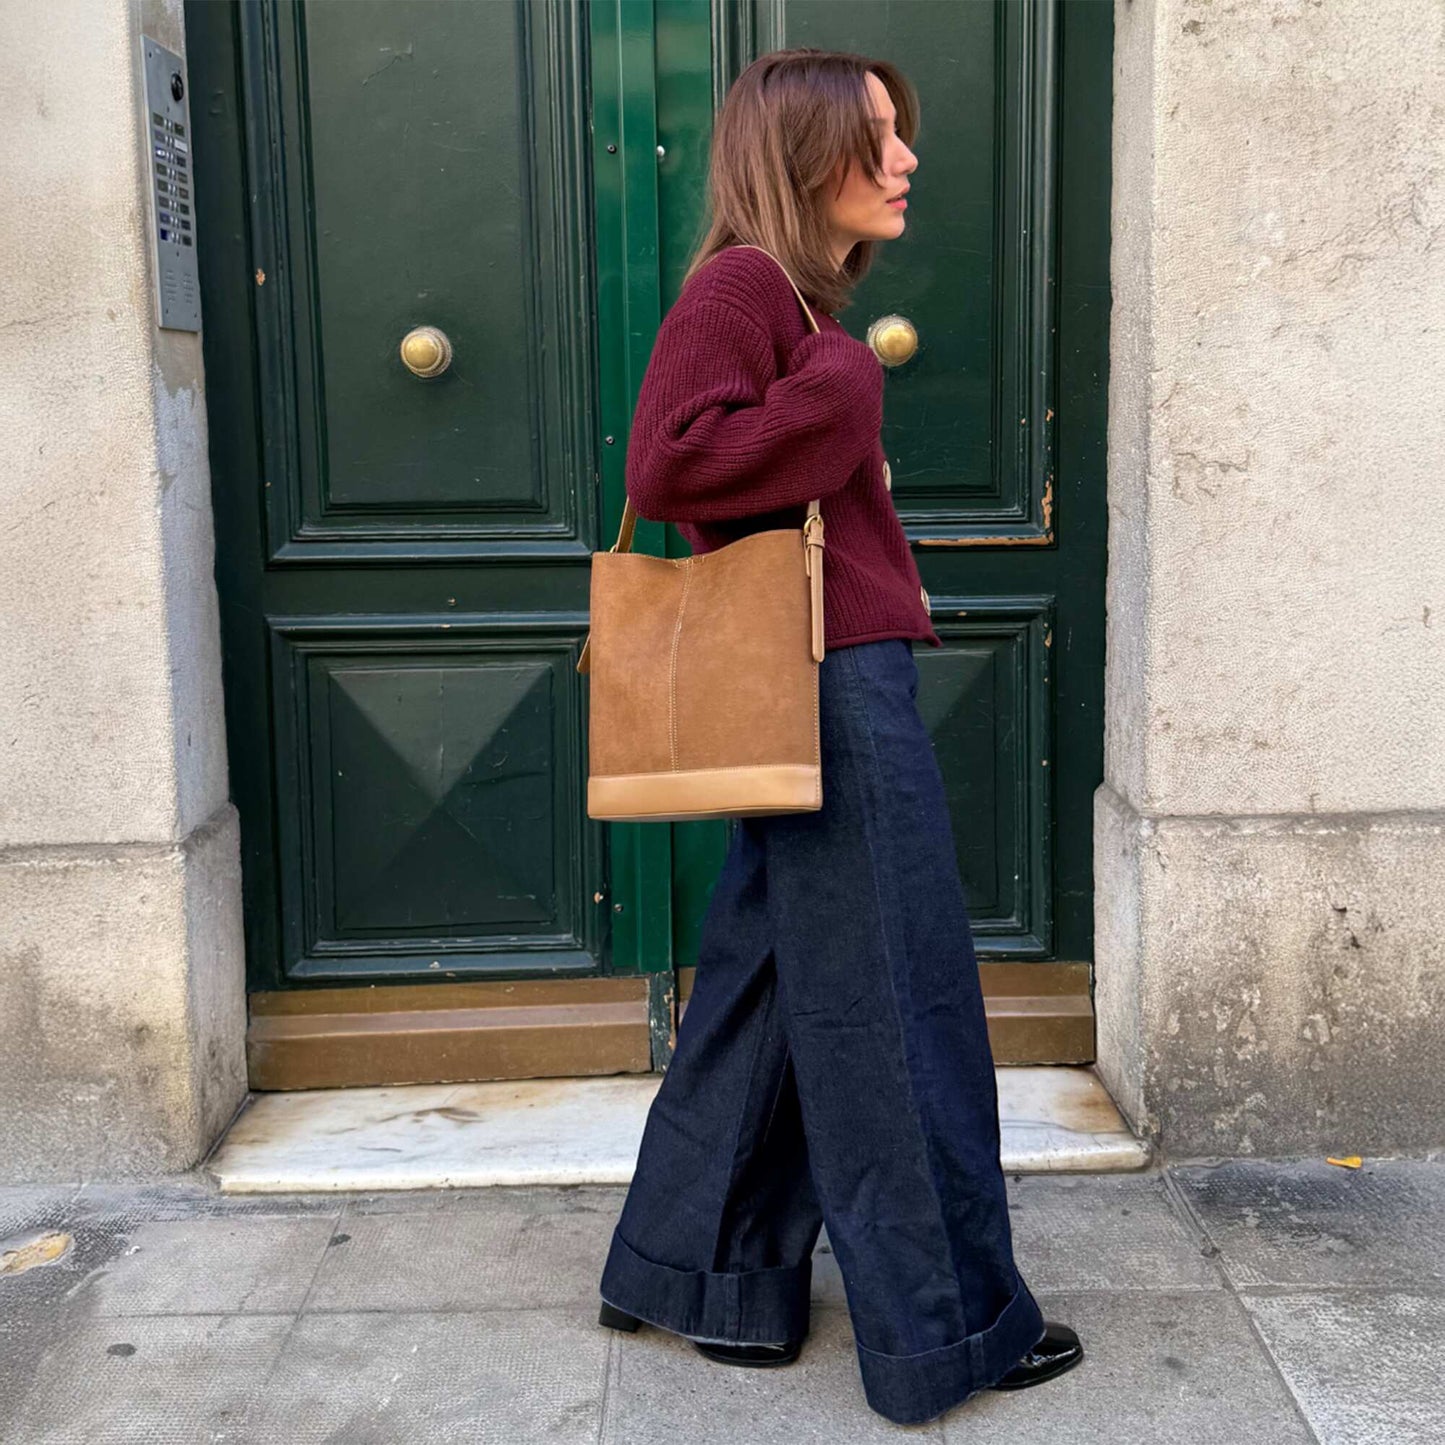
x=719 y=434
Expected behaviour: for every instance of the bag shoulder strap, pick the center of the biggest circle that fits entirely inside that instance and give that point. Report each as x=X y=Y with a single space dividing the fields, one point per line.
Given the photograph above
x=629 y=515
x=812 y=524
x=807 y=310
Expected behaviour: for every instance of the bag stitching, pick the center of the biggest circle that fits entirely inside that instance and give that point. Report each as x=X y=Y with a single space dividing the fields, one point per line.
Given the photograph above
x=672 y=671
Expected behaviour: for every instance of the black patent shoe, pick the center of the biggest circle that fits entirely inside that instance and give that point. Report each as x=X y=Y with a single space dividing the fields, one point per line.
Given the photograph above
x=757 y=1356
x=616 y=1319
x=1059 y=1350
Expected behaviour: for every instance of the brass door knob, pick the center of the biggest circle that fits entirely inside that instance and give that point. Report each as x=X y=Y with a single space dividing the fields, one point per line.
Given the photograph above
x=894 y=339
x=425 y=351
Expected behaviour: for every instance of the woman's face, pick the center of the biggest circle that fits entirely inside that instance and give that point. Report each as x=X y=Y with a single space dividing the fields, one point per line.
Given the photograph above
x=863 y=207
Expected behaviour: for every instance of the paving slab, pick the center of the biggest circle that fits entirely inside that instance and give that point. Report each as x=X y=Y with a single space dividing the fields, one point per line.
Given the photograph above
x=36 y=1224
x=605 y=1199
x=531 y=1377
x=145 y=1381
x=1081 y=1232
x=1313 y=1224
x=190 y=1196
x=662 y=1391
x=25 y=1207
x=507 y=1257
x=1205 y=1296
x=1364 y=1367
x=210 y=1266
x=1109 y=1232
x=86 y=1250
x=1158 y=1369
x=25 y=1336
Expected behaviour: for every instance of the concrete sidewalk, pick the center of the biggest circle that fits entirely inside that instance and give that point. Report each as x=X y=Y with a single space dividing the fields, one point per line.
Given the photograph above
x=1244 y=1301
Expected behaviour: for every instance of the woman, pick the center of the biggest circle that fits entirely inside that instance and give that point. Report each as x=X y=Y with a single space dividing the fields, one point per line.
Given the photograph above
x=832 y=1063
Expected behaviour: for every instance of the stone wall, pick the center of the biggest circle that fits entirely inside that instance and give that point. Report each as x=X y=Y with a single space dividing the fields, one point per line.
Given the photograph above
x=1270 y=865
x=122 y=1011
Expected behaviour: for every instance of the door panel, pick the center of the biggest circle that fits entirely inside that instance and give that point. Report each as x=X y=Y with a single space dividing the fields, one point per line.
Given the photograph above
x=412 y=551
x=985 y=699
x=441 y=777
x=972 y=423
x=430 y=172
x=966 y=417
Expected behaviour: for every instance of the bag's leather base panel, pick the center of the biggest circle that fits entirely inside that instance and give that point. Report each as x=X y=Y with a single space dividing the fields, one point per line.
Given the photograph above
x=705 y=793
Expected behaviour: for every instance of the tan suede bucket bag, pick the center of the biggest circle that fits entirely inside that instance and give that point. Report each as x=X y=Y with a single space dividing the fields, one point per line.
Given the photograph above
x=703 y=690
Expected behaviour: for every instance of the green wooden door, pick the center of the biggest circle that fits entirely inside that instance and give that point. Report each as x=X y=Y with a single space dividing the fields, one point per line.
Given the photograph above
x=403 y=560
x=995 y=435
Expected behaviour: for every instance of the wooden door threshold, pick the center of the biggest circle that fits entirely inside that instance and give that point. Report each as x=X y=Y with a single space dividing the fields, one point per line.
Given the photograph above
x=1038 y=1013
x=329 y=1038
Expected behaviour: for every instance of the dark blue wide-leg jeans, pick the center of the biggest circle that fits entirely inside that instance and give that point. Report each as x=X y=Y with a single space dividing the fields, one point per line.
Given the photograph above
x=832 y=1064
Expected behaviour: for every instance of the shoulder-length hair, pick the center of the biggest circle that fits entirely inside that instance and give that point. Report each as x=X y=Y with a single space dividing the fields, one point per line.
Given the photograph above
x=786 y=123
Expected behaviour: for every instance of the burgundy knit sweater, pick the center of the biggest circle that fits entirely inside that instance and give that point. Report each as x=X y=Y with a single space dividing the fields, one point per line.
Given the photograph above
x=745 y=415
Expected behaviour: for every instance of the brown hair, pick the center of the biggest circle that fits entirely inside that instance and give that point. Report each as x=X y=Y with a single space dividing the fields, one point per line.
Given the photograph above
x=785 y=124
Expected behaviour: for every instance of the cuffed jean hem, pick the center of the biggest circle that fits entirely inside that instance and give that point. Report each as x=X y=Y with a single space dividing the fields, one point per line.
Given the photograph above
x=912 y=1389
x=753 y=1306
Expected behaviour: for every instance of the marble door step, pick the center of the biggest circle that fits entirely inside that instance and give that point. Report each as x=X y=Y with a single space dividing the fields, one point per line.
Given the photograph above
x=580 y=1131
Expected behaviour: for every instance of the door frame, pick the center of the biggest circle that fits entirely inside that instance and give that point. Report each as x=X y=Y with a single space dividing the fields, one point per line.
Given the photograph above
x=302 y=1037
